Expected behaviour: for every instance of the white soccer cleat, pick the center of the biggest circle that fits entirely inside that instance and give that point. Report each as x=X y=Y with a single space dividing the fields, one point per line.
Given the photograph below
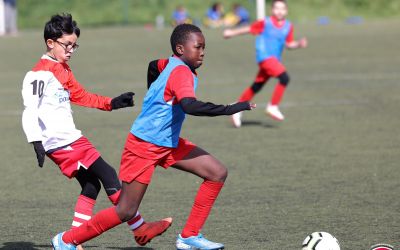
x=274 y=112
x=197 y=243
x=58 y=243
x=237 y=119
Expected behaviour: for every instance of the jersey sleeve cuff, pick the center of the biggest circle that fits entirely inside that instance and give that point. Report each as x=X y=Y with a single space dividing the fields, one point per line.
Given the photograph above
x=32 y=139
x=107 y=105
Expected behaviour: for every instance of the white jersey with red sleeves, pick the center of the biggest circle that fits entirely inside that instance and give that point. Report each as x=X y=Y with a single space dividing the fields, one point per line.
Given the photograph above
x=47 y=91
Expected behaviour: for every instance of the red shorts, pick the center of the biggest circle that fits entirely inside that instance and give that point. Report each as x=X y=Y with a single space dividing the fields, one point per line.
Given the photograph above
x=140 y=158
x=270 y=67
x=81 y=153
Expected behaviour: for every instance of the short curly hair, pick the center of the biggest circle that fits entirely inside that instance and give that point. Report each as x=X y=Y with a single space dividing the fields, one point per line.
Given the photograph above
x=181 y=34
x=60 y=25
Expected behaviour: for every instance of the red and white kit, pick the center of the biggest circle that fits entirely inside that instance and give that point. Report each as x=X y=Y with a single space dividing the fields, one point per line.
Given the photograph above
x=47 y=91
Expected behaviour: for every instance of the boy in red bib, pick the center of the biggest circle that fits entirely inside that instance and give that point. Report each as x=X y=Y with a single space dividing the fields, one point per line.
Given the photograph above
x=154 y=139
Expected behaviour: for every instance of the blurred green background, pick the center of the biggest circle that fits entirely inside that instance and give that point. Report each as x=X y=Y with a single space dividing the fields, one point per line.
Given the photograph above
x=33 y=13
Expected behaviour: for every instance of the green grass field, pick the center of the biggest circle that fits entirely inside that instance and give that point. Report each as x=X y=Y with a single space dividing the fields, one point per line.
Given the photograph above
x=333 y=165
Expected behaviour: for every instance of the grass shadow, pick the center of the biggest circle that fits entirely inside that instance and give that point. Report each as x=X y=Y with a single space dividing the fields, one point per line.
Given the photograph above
x=22 y=245
x=131 y=248
x=250 y=123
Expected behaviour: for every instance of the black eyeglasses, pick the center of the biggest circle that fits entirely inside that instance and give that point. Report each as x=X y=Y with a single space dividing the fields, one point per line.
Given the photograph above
x=68 y=47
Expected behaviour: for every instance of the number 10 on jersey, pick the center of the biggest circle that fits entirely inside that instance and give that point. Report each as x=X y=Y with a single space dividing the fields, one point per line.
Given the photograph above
x=38 y=87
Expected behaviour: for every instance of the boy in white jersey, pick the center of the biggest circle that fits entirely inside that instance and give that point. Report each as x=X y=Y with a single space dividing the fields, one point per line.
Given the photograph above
x=48 y=89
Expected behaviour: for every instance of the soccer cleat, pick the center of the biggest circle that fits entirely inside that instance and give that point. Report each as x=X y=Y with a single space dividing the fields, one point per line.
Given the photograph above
x=59 y=244
x=146 y=232
x=196 y=242
x=274 y=112
x=237 y=119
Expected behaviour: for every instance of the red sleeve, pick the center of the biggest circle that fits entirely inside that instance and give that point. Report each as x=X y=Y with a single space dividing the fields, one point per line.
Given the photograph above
x=257 y=27
x=161 y=64
x=180 y=84
x=290 y=36
x=79 y=96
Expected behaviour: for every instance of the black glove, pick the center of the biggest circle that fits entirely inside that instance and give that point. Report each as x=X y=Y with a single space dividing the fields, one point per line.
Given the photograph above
x=40 y=152
x=122 y=101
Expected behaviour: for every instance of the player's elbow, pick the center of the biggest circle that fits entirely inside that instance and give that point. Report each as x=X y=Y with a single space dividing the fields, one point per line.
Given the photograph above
x=288 y=46
x=188 y=105
x=291 y=45
x=186 y=109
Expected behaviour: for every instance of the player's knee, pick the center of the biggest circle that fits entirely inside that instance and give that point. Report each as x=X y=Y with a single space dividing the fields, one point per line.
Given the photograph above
x=97 y=186
x=256 y=87
x=284 y=78
x=91 y=189
x=107 y=175
x=223 y=174
x=220 y=175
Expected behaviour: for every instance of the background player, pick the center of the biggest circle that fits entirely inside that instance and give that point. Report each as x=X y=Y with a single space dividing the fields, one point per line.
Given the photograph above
x=47 y=121
x=154 y=140
x=273 y=34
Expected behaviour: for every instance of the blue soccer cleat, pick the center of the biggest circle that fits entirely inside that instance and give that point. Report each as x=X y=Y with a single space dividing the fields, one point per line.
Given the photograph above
x=59 y=244
x=196 y=243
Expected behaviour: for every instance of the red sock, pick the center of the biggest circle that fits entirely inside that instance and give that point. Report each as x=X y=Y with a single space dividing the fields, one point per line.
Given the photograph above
x=114 y=198
x=203 y=203
x=133 y=223
x=278 y=94
x=98 y=224
x=83 y=210
x=247 y=95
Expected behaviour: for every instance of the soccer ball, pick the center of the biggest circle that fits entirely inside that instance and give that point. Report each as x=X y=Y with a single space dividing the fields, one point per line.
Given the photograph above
x=320 y=241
